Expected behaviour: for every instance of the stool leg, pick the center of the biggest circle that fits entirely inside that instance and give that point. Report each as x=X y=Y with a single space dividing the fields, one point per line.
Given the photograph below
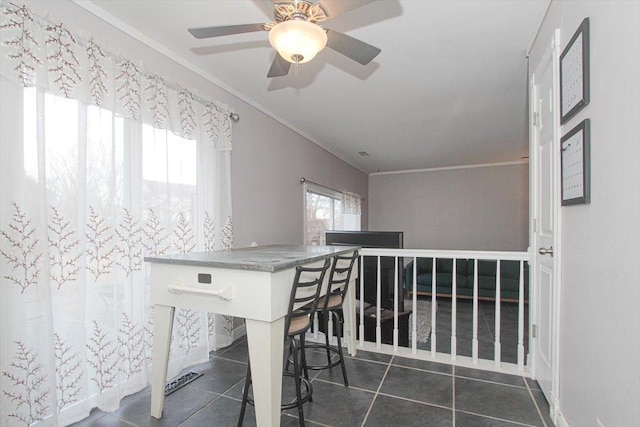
x=245 y=395
x=326 y=315
x=296 y=375
x=339 y=319
x=288 y=358
x=303 y=357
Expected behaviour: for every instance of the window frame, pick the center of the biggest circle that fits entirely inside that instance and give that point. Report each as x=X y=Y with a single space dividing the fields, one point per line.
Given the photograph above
x=321 y=191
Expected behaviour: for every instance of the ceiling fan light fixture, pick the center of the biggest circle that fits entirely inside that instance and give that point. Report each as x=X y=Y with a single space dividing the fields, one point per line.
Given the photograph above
x=298 y=41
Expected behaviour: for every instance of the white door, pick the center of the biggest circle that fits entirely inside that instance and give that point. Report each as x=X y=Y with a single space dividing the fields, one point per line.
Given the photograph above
x=545 y=241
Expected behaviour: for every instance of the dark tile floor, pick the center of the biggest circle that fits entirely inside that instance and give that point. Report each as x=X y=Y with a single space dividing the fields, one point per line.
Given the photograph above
x=384 y=391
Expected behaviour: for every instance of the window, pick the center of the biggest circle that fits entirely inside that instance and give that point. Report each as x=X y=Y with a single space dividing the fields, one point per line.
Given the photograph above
x=325 y=211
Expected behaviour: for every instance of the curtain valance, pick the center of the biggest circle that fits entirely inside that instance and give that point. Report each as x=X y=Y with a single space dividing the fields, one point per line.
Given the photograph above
x=351 y=203
x=38 y=52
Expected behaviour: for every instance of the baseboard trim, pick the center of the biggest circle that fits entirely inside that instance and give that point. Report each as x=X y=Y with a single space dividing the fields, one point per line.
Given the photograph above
x=239 y=332
x=561 y=421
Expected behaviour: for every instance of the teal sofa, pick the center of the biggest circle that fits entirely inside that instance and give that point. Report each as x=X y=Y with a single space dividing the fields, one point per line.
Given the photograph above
x=509 y=278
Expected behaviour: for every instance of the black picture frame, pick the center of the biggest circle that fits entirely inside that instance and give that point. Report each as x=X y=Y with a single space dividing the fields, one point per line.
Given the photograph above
x=575 y=167
x=574 y=73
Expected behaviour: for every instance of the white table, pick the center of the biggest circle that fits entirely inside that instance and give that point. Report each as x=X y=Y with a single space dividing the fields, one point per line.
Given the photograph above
x=252 y=283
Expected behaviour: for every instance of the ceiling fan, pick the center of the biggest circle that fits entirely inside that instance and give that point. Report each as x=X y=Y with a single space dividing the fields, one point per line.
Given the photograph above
x=296 y=35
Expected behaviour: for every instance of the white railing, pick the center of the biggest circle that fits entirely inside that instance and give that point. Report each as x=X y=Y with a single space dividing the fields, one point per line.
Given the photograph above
x=490 y=298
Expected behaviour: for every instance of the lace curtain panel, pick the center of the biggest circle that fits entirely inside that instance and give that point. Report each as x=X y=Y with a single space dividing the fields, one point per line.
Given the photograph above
x=351 y=211
x=101 y=163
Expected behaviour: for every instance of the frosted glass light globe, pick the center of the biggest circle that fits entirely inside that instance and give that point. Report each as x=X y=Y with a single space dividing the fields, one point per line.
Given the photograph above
x=298 y=41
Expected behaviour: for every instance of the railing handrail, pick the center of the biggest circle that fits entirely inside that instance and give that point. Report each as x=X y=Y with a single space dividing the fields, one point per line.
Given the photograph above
x=443 y=253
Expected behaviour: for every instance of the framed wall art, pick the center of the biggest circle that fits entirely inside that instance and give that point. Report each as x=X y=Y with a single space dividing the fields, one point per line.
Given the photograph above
x=575 y=165
x=574 y=73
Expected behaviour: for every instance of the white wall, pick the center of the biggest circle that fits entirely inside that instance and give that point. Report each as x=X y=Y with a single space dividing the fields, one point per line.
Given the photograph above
x=268 y=158
x=600 y=298
x=480 y=208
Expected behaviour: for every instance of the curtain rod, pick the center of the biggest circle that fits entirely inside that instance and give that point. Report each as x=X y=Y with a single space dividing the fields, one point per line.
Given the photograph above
x=303 y=180
x=108 y=53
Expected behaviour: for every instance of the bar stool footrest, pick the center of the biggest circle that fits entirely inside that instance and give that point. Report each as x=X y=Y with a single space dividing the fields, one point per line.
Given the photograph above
x=332 y=349
x=306 y=394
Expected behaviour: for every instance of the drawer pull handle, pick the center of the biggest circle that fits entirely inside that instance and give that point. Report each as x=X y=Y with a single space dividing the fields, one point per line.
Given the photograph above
x=224 y=293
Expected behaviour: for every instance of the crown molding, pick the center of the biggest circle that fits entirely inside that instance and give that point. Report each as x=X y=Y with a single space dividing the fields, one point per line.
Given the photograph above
x=448 y=168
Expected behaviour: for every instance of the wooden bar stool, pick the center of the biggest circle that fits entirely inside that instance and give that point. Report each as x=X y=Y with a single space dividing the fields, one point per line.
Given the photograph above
x=331 y=305
x=303 y=302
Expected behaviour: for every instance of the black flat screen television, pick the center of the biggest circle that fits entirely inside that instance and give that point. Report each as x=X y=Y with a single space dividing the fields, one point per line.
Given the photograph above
x=375 y=239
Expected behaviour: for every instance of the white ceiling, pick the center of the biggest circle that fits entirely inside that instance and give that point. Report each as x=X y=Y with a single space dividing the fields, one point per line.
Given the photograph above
x=448 y=89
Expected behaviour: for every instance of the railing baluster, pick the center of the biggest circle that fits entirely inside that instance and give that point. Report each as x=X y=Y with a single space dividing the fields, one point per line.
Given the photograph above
x=414 y=317
x=454 y=293
x=395 y=305
x=496 y=346
x=521 y=318
x=378 y=301
x=474 y=339
x=361 y=301
x=434 y=306
x=470 y=258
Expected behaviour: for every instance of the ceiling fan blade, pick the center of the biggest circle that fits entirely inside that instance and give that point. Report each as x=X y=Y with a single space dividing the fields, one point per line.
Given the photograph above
x=352 y=48
x=335 y=7
x=227 y=30
x=279 y=67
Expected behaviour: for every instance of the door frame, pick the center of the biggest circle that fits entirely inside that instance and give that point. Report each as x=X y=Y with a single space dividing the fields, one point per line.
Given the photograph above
x=551 y=53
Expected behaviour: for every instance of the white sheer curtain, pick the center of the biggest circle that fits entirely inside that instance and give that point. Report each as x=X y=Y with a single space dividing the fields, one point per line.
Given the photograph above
x=351 y=211
x=101 y=164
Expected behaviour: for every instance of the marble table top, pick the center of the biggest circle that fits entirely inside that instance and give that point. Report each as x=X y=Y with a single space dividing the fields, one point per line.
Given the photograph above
x=259 y=258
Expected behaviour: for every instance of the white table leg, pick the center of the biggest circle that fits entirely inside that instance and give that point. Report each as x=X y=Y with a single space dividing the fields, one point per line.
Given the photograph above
x=349 y=312
x=162 y=325
x=266 y=341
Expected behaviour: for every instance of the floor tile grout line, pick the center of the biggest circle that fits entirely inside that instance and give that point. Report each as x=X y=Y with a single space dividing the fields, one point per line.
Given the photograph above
x=453 y=395
x=425 y=370
x=194 y=413
x=122 y=420
x=320 y=380
x=435 y=405
x=496 y=418
x=375 y=396
x=230 y=360
x=544 y=423
x=494 y=382
x=421 y=370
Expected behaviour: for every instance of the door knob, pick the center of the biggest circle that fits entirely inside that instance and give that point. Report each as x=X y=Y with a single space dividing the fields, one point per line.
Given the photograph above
x=546 y=251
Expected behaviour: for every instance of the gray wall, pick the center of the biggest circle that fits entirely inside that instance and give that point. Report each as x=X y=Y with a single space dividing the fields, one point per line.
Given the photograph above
x=599 y=305
x=268 y=161
x=480 y=208
x=268 y=158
